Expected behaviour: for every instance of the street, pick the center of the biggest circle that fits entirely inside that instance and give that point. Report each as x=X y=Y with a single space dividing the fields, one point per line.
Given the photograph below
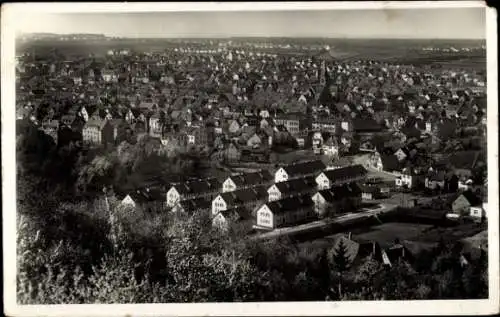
x=319 y=224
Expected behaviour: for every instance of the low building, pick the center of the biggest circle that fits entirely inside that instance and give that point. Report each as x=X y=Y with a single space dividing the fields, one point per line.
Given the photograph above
x=235 y=219
x=193 y=206
x=461 y=203
x=246 y=180
x=340 y=176
x=294 y=187
x=146 y=199
x=246 y=197
x=299 y=170
x=192 y=189
x=285 y=212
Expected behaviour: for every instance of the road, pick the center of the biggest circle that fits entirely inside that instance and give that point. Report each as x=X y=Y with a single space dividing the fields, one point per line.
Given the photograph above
x=319 y=224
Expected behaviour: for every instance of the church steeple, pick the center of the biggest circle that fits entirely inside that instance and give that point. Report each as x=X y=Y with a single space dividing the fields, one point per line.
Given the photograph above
x=322 y=75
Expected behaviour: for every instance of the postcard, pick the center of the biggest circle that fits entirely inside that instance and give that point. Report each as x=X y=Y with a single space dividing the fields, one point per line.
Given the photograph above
x=245 y=159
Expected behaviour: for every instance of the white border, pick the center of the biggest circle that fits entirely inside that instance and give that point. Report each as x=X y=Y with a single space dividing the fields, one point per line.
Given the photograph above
x=448 y=307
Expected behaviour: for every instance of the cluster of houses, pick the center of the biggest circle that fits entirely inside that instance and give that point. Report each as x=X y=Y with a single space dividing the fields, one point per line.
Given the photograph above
x=242 y=103
x=426 y=126
x=296 y=193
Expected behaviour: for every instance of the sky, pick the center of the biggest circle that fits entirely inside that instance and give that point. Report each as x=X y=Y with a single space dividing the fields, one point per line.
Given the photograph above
x=452 y=23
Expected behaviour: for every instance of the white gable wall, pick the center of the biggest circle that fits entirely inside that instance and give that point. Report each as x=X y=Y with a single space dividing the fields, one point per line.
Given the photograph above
x=173 y=197
x=323 y=181
x=274 y=193
x=128 y=201
x=280 y=176
x=265 y=217
x=218 y=204
x=228 y=185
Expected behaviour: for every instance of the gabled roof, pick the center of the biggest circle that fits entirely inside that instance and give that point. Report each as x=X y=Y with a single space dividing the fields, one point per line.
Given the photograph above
x=390 y=162
x=244 y=195
x=144 y=195
x=198 y=186
x=296 y=185
x=248 y=179
x=346 y=172
x=471 y=198
x=238 y=213
x=304 y=168
x=290 y=204
x=195 y=204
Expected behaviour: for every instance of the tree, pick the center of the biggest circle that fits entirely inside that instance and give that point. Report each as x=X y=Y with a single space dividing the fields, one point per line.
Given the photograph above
x=340 y=257
x=341 y=263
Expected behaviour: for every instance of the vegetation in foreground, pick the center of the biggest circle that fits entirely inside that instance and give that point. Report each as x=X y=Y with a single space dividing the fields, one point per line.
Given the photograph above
x=77 y=246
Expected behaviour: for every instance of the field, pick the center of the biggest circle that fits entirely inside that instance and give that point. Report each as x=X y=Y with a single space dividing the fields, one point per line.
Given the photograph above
x=386 y=234
x=397 y=51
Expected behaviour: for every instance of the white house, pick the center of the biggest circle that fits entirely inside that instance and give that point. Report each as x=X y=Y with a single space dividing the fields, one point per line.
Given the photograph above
x=192 y=189
x=477 y=212
x=218 y=205
x=340 y=176
x=298 y=170
x=246 y=197
x=285 y=212
x=246 y=180
x=322 y=201
x=128 y=201
x=173 y=197
x=294 y=187
x=265 y=217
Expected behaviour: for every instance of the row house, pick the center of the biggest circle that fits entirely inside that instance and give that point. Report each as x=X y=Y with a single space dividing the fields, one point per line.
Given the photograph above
x=146 y=199
x=299 y=170
x=333 y=199
x=285 y=212
x=341 y=176
x=246 y=197
x=294 y=187
x=206 y=188
x=246 y=180
x=239 y=219
x=193 y=206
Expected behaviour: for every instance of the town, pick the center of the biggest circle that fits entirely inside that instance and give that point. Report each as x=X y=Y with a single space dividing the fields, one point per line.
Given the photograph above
x=282 y=140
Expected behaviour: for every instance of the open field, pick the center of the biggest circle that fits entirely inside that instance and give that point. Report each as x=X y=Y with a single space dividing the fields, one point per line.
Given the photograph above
x=387 y=233
x=397 y=51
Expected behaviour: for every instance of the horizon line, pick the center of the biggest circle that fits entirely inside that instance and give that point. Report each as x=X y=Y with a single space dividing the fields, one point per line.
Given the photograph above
x=253 y=36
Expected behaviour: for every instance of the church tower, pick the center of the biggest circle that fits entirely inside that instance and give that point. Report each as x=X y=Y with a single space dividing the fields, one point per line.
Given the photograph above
x=322 y=74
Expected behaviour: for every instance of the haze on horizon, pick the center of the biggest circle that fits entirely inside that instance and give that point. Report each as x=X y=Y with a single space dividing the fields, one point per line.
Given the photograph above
x=450 y=23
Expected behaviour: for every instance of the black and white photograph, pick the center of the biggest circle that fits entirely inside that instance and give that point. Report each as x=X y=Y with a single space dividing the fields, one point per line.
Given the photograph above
x=293 y=158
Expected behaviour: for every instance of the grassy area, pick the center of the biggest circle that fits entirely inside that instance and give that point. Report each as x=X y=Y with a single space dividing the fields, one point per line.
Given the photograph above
x=387 y=233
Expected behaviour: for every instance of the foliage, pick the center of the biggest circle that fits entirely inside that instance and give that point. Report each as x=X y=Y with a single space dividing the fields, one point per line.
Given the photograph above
x=72 y=250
